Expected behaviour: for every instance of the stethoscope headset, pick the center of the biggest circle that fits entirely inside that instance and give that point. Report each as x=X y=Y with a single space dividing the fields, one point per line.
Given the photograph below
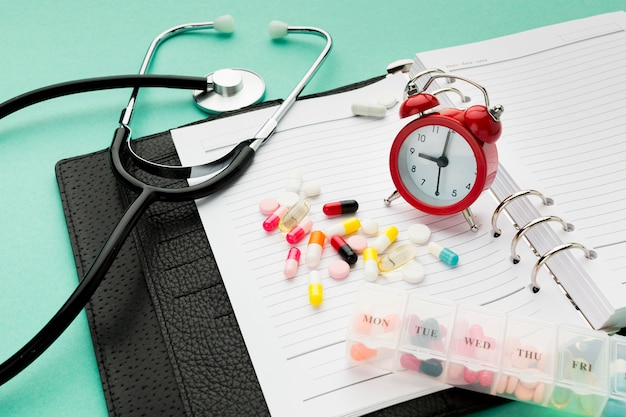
x=219 y=91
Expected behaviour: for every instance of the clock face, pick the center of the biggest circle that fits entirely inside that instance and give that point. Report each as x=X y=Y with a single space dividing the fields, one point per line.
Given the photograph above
x=435 y=167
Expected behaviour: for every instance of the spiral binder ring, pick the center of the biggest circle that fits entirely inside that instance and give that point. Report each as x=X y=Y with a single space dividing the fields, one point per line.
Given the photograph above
x=567 y=227
x=497 y=232
x=589 y=254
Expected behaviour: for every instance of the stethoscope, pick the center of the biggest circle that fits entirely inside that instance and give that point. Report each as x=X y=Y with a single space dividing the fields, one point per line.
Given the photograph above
x=219 y=91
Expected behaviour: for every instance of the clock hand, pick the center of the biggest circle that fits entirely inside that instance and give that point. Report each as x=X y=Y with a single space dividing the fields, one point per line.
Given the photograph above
x=445 y=146
x=430 y=158
x=438 y=180
x=442 y=161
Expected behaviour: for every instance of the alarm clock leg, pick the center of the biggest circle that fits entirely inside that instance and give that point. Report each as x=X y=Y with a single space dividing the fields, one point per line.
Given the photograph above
x=469 y=217
x=392 y=197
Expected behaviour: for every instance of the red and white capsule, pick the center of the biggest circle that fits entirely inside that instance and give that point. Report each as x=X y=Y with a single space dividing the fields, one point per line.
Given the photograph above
x=296 y=234
x=292 y=262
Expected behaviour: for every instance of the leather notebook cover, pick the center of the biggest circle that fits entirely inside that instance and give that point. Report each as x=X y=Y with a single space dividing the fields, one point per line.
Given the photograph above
x=165 y=335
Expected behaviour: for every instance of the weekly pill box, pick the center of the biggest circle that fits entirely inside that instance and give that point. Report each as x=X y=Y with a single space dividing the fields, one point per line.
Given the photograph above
x=574 y=370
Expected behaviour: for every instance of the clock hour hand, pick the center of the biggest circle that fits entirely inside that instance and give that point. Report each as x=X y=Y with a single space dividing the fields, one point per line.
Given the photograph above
x=441 y=161
x=430 y=158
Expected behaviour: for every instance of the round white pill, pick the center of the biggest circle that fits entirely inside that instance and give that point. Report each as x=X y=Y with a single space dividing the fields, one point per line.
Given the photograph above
x=369 y=227
x=419 y=233
x=369 y=109
x=294 y=181
x=387 y=99
x=311 y=188
x=288 y=199
x=268 y=205
x=413 y=272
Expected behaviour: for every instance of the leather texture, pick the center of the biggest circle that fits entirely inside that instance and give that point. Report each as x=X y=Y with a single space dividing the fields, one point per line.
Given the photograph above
x=165 y=336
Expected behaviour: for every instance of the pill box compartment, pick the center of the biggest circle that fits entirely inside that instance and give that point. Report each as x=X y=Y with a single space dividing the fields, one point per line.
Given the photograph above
x=424 y=341
x=476 y=346
x=616 y=405
x=528 y=361
x=582 y=383
x=375 y=326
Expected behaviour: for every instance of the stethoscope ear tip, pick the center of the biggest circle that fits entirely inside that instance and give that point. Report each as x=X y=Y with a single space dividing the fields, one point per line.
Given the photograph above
x=277 y=29
x=224 y=24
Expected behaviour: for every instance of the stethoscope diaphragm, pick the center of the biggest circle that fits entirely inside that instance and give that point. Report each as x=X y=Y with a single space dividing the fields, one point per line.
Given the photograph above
x=232 y=89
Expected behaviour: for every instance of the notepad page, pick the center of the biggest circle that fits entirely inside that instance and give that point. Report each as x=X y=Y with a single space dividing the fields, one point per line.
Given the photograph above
x=564 y=127
x=298 y=350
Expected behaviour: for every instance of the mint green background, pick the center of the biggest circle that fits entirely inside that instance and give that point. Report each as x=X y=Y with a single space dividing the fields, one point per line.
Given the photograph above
x=44 y=42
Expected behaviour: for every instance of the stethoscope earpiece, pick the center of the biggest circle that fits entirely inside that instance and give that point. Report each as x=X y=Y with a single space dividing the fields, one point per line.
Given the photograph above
x=224 y=24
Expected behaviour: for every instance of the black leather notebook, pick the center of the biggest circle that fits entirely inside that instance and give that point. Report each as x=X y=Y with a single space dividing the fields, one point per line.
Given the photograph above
x=165 y=335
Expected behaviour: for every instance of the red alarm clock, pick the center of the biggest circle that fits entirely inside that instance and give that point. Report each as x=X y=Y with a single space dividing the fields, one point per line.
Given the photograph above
x=442 y=160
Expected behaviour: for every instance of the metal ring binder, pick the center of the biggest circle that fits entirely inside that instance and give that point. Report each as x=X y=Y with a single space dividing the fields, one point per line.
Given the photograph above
x=567 y=227
x=547 y=201
x=589 y=254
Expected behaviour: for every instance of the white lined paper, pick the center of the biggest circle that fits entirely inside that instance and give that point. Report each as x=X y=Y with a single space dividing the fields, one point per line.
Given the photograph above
x=297 y=350
x=564 y=135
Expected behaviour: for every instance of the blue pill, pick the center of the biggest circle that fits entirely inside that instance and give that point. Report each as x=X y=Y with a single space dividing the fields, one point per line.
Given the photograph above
x=446 y=255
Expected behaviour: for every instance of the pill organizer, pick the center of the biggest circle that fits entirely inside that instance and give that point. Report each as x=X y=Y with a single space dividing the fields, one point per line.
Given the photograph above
x=575 y=370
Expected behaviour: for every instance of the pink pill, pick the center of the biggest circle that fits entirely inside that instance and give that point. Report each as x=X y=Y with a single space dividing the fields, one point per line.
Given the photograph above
x=338 y=269
x=292 y=263
x=485 y=378
x=357 y=243
x=470 y=376
x=409 y=361
x=268 y=205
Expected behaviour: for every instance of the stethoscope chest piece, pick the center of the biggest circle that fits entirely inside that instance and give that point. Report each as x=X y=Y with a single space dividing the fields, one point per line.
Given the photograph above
x=232 y=90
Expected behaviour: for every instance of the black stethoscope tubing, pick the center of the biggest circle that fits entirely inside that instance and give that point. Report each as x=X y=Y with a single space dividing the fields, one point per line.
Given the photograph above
x=224 y=171
x=240 y=158
x=98 y=84
x=122 y=158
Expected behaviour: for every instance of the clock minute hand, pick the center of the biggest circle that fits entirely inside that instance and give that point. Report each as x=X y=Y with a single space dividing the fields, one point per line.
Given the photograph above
x=445 y=146
x=442 y=161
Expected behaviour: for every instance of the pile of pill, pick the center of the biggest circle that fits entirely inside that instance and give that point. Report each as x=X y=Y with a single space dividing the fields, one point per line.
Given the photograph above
x=289 y=213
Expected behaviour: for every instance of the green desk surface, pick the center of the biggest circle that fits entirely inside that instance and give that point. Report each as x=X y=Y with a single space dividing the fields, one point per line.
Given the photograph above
x=44 y=42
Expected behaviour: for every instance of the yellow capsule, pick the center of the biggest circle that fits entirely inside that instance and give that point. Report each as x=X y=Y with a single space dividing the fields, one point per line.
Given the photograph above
x=370 y=264
x=315 y=288
x=385 y=239
x=346 y=227
x=294 y=215
x=397 y=257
